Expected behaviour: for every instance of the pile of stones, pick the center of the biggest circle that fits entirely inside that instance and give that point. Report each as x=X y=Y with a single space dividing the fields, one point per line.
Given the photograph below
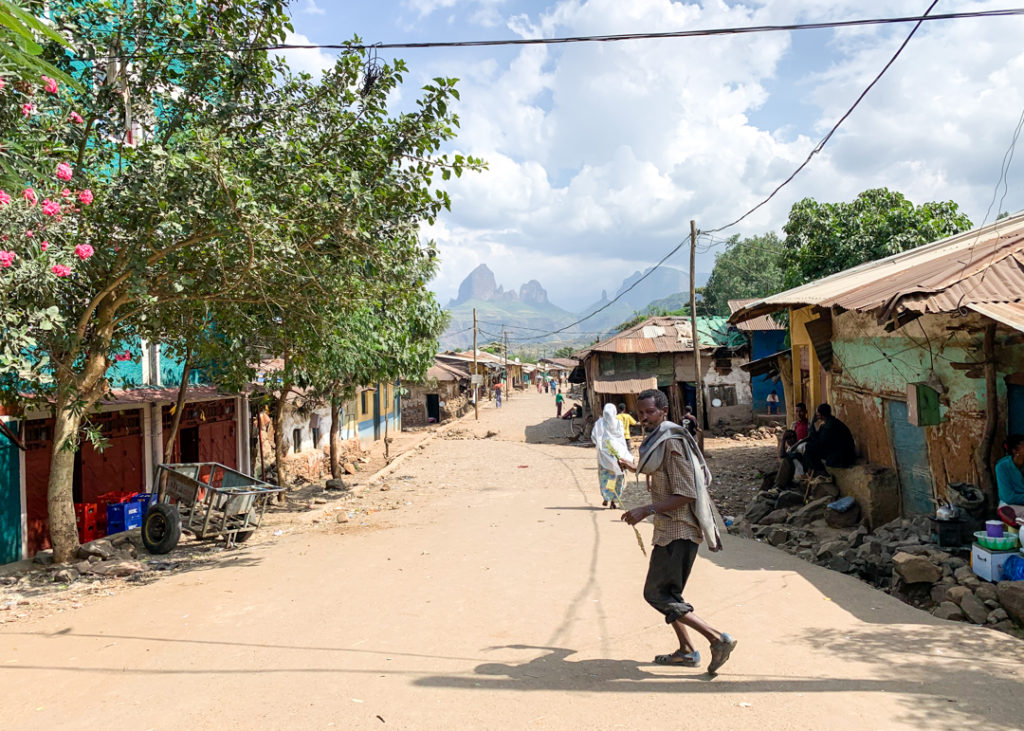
x=898 y=557
x=114 y=556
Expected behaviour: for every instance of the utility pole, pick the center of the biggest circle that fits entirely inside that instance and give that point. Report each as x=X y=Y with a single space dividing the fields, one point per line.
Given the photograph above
x=693 y=321
x=476 y=388
x=504 y=347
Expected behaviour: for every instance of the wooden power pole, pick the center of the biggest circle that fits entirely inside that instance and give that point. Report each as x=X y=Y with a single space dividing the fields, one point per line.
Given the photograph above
x=476 y=387
x=699 y=376
x=504 y=338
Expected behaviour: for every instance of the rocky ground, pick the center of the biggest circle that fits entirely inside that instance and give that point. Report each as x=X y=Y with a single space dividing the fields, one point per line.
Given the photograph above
x=899 y=557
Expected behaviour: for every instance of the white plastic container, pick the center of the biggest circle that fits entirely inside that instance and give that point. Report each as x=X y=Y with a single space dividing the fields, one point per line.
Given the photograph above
x=988 y=565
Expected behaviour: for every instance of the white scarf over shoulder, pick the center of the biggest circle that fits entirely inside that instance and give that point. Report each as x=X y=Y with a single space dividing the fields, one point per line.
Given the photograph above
x=652 y=455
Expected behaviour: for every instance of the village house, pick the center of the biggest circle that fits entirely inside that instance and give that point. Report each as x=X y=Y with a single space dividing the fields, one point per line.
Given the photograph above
x=767 y=338
x=558 y=368
x=366 y=417
x=658 y=353
x=445 y=393
x=922 y=355
x=132 y=422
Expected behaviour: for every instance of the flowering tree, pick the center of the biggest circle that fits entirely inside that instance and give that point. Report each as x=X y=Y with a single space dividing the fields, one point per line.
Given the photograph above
x=219 y=180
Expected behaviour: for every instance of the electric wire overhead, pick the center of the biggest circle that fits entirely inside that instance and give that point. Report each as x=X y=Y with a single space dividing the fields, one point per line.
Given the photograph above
x=824 y=140
x=918 y=20
x=215 y=46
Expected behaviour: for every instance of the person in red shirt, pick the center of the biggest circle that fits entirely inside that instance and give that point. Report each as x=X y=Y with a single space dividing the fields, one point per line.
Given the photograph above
x=801 y=426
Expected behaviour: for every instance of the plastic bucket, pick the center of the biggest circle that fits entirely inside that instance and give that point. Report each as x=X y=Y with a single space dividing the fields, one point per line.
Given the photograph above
x=994 y=528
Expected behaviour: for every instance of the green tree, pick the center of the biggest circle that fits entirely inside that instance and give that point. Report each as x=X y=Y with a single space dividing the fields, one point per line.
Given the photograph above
x=747 y=268
x=824 y=238
x=23 y=34
x=564 y=352
x=220 y=179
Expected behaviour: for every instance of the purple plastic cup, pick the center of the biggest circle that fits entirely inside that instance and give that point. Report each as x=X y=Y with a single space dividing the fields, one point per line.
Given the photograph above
x=994 y=528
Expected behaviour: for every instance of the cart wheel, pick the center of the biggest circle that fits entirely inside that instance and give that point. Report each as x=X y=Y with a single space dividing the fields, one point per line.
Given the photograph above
x=161 y=528
x=243 y=535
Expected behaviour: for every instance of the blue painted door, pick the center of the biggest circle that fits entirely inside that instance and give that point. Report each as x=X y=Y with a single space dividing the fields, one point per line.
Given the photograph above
x=10 y=501
x=911 y=452
x=1015 y=405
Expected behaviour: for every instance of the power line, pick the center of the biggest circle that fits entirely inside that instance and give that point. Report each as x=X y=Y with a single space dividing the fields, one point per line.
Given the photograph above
x=697 y=33
x=821 y=145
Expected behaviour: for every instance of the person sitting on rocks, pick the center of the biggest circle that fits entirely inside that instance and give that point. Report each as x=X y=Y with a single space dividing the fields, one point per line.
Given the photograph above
x=791 y=452
x=830 y=443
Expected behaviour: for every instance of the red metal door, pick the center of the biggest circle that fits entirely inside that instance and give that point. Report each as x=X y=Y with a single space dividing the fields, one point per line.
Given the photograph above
x=39 y=445
x=217 y=443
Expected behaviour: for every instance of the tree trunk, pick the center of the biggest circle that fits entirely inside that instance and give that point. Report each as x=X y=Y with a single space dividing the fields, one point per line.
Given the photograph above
x=179 y=407
x=59 y=498
x=336 y=437
x=983 y=454
x=279 y=437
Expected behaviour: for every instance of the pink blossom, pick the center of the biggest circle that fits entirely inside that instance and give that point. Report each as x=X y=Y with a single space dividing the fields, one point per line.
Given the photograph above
x=4 y=198
x=83 y=251
x=50 y=208
x=30 y=196
x=2 y=84
x=6 y=258
x=126 y=355
x=27 y=109
x=77 y=118
x=85 y=197
x=44 y=245
x=64 y=171
x=49 y=84
x=29 y=233
x=60 y=270
x=65 y=193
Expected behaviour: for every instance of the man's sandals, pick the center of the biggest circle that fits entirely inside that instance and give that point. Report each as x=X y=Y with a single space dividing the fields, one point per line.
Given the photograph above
x=680 y=658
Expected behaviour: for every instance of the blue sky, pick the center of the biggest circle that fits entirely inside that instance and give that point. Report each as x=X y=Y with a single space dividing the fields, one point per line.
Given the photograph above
x=600 y=154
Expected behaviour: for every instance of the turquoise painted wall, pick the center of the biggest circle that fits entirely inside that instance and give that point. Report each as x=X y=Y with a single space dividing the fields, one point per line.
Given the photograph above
x=888 y=364
x=10 y=500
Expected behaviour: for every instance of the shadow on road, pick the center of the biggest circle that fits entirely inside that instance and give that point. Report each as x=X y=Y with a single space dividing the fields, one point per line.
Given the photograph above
x=937 y=697
x=550 y=431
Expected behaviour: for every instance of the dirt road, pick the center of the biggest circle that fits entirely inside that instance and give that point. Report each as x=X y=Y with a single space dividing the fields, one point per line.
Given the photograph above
x=499 y=596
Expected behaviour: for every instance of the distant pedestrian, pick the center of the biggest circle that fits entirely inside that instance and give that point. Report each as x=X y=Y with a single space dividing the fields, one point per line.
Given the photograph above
x=626 y=418
x=684 y=516
x=497 y=394
x=538 y=384
x=773 y=402
x=611 y=447
x=547 y=386
x=559 y=398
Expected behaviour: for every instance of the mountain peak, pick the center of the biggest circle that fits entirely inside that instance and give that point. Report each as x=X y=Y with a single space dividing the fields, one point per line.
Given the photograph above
x=480 y=285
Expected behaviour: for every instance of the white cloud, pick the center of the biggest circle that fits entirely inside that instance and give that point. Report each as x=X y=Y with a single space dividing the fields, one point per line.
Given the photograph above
x=311 y=8
x=600 y=154
x=313 y=61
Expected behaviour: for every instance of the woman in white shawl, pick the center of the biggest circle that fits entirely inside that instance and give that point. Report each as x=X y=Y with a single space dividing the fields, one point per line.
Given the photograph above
x=611 y=447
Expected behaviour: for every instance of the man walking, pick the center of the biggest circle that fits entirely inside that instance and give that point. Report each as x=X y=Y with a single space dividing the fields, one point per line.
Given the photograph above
x=559 y=399
x=497 y=395
x=683 y=517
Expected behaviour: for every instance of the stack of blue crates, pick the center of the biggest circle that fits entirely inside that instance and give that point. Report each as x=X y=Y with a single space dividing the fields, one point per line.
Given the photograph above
x=144 y=499
x=123 y=516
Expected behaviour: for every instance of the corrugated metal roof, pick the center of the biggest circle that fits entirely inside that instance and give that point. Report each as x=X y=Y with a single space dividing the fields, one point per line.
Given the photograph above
x=622 y=384
x=665 y=334
x=756 y=324
x=979 y=266
x=1008 y=313
x=169 y=395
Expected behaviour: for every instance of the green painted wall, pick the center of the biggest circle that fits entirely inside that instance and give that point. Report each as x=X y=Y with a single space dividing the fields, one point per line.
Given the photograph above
x=10 y=500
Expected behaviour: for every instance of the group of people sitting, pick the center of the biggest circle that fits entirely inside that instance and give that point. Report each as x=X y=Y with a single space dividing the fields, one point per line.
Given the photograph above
x=811 y=446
